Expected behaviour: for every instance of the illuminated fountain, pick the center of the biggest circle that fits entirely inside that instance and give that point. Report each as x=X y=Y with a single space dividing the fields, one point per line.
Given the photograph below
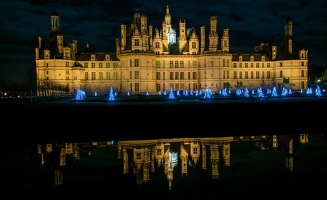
x=171 y=94
x=207 y=93
x=80 y=95
x=111 y=94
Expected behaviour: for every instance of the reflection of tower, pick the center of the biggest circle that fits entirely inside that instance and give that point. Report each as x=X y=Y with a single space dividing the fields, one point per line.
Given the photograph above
x=204 y=156
x=125 y=161
x=159 y=153
x=214 y=157
x=184 y=157
x=58 y=179
x=195 y=151
x=226 y=153
x=289 y=156
x=303 y=138
x=168 y=167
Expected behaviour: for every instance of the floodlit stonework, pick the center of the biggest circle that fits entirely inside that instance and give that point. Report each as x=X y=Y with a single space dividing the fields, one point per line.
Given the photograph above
x=149 y=60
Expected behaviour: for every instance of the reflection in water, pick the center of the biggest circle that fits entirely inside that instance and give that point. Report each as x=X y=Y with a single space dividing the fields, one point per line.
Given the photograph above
x=143 y=157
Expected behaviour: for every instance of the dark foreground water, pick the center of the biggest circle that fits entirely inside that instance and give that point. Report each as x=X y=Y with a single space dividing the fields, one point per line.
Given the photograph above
x=230 y=167
x=272 y=149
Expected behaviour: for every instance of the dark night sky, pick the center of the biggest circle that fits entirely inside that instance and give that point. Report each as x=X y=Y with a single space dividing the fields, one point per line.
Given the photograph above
x=97 y=22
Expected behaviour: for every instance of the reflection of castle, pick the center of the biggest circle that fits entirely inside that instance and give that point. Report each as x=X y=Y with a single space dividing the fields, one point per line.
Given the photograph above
x=143 y=157
x=56 y=154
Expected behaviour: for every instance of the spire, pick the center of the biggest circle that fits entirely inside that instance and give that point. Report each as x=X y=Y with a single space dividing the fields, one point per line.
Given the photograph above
x=55 y=25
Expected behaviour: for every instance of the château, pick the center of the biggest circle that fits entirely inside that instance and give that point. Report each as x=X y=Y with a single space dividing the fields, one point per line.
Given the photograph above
x=149 y=60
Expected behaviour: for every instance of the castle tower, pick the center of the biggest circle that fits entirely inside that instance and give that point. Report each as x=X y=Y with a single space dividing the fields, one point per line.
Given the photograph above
x=213 y=34
x=289 y=34
x=203 y=38
x=122 y=36
x=225 y=40
x=182 y=35
x=55 y=25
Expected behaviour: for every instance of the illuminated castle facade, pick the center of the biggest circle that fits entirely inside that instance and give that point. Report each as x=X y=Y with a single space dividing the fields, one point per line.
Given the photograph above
x=149 y=60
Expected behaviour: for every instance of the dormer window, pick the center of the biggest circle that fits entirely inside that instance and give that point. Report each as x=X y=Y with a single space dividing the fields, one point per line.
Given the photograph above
x=262 y=58
x=93 y=57
x=252 y=58
x=240 y=58
x=46 y=54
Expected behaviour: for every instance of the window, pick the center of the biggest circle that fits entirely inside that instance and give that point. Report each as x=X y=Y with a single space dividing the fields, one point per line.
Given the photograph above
x=251 y=65
x=137 y=87
x=100 y=75
x=194 y=64
x=257 y=75
x=136 y=62
x=130 y=74
x=157 y=75
x=193 y=45
x=93 y=65
x=136 y=74
x=67 y=64
x=194 y=76
x=262 y=74
x=188 y=75
x=176 y=75
x=108 y=75
x=107 y=65
x=246 y=75
x=171 y=64
x=234 y=65
x=157 y=64
x=280 y=74
x=240 y=75
x=268 y=74
x=240 y=65
x=115 y=65
x=137 y=42
x=100 y=65
x=252 y=75
x=176 y=64
x=171 y=75
x=86 y=76
x=158 y=87
x=235 y=75
x=302 y=73
x=246 y=65
x=163 y=75
x=182 y=75
x=257 y=65
x=268 y=65
x=182 y=64
x=157 y=45
x=115 y=75
x=93 y=75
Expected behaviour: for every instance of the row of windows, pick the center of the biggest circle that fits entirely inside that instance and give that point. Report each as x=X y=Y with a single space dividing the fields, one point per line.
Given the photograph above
x=180 y=75
x=246 y=65
x=100 y=65
x=101 y=77
x=177 y=87
x=252 y=75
